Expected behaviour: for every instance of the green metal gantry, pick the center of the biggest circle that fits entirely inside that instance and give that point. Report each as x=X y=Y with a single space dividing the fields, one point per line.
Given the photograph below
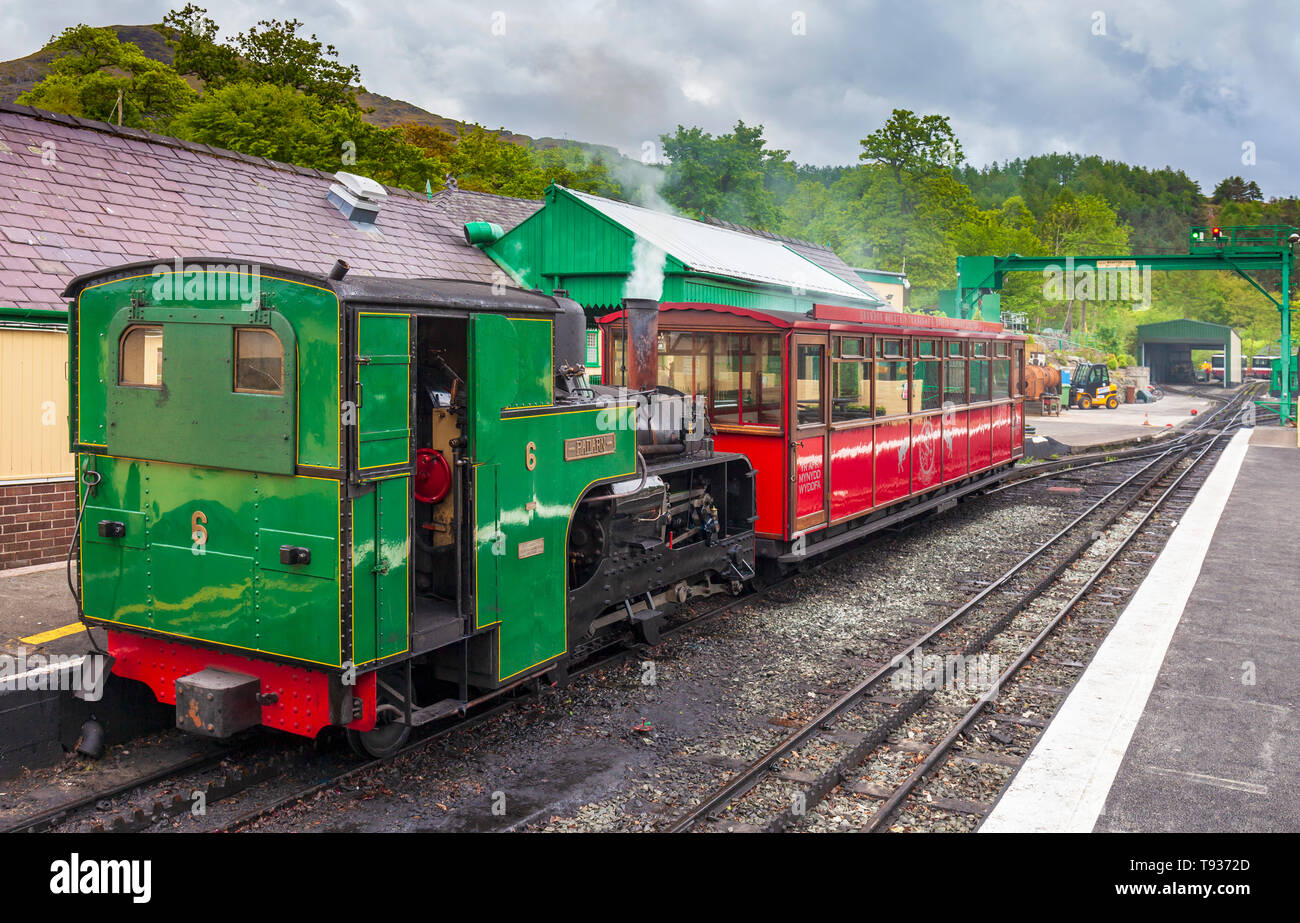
x=1235 y=249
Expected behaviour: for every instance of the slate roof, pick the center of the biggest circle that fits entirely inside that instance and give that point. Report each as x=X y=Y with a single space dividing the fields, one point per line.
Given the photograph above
x=78 y=195
x=462 y=206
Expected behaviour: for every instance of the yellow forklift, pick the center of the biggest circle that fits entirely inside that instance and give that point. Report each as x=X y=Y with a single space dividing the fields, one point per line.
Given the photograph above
x=1090 y=386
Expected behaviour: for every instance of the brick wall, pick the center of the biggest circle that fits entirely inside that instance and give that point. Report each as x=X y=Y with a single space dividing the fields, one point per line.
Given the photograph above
x=36 y=522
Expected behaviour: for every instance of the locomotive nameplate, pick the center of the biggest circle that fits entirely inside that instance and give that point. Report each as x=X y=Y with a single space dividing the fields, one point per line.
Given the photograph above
x=532 y=547
x=588 y=446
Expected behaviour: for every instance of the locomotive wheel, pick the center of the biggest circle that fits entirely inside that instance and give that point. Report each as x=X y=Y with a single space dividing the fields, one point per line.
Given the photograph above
x=385 y=739
x=1112 y=402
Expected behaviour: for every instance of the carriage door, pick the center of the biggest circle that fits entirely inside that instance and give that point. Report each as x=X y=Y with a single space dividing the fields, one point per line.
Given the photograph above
x=381 y=512
x=809 y=434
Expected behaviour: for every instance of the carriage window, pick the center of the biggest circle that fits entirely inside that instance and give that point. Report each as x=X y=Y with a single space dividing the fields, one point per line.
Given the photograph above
x=762 y=374
x=1000 y=349
x=741 y=374
x=1001 y=377
x=926 y=381
x=808 y=384
x=925 y=349
x=259 y=361
x=954 y=348
x=684 y=362
x=893 y=388
x=850 y=391
x=954 y=377
x=852 y=348
x=890 y=347
x=979 y=377
x=140 y=357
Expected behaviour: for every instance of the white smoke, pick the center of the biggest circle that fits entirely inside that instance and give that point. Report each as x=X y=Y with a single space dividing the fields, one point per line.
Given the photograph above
x=647 y=277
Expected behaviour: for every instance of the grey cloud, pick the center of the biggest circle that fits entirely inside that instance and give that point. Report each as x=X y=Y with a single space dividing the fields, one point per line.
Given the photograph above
x=1179 y=83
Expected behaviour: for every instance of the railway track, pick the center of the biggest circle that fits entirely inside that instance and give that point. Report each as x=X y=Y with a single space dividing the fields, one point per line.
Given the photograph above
x=779 y=789
x=158 y=795
x=245 y=771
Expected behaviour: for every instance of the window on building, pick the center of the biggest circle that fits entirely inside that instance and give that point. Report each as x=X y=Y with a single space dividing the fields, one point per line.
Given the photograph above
x=140 y=357
x=259 y=361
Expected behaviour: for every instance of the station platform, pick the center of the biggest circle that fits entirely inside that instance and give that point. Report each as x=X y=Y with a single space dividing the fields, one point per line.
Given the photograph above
x=38 y=614
x=43 y=653
x=1076 y=431
x=1186 y=719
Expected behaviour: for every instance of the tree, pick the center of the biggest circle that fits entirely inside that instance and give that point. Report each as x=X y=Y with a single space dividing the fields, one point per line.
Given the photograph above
x=914 y=145
x=732 y=177
x=283 y=124
x=270 y=52
x=96 y=75
x=192 y=36
x=1236 y=189
x=275 y=53
x=1082 y=225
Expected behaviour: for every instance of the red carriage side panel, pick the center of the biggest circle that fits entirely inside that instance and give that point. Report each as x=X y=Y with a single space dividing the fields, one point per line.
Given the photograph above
x=893 y=468
x=956 y=444
x=852 y=456
x=1018 y=429
x=981 y=436
x=768 y=456
x=926 y=453
x=810 y=494
x=1001 y=433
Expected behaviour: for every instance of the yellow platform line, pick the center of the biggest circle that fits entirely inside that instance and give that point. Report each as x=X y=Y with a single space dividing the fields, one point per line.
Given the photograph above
x=53 y=634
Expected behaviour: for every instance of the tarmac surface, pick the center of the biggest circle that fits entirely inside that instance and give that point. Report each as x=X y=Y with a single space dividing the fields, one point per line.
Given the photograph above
x=1086 y=430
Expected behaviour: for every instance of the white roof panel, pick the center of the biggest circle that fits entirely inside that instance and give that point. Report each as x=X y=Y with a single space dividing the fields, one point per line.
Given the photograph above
x=710 y=249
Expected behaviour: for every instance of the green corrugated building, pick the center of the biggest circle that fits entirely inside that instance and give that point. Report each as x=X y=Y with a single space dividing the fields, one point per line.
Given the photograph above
x=589 y=247
x=1166 y=349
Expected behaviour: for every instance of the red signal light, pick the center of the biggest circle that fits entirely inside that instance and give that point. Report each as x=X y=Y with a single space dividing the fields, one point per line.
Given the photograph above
x=1216 y=233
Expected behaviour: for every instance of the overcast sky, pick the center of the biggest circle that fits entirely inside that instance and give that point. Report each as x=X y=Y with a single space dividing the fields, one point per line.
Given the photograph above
x=1180 y=83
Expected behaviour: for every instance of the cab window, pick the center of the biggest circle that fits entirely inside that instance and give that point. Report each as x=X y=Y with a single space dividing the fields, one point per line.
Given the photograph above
x=140 y=357
x=259 y=361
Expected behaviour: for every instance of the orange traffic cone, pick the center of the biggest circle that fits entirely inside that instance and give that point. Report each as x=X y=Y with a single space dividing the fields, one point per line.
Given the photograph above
x=1145 y=419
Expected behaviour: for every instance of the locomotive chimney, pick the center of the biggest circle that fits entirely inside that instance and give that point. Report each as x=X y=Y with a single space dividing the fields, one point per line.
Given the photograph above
x=642 y=346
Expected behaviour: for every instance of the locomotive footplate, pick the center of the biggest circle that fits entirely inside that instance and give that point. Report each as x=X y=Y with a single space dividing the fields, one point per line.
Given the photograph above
x=218 y=703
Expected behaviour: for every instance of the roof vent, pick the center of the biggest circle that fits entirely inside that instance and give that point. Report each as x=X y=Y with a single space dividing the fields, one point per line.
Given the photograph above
x=359 y=198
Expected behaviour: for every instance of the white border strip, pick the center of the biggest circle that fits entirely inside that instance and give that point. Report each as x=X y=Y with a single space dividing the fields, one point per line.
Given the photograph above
x=1063 y=785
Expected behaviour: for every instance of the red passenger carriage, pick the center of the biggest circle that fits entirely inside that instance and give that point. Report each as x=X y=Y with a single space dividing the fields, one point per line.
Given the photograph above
x=854 y=419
